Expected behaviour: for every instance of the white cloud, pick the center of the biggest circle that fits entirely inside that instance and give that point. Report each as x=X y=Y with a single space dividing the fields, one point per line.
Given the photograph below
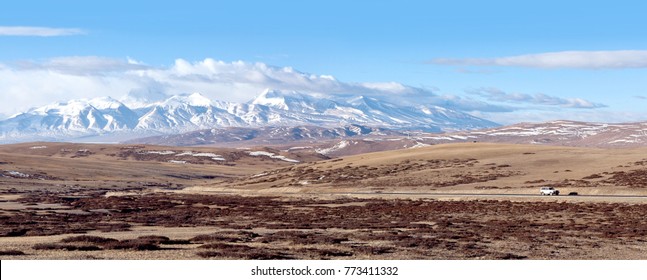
x=35 y=83
x=566 y=59
x=83 y=65
x=392 y=86
x=468 y=104
x=241 y=81
x=23 y=89
x=497 y=95
x=39 y=31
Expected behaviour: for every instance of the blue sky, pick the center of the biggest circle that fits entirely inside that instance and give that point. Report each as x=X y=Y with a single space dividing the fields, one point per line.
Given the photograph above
x=533 y=61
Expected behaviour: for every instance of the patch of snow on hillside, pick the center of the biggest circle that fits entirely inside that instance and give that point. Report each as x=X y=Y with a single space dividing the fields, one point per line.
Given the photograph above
x=439 y=138
x=299 y=148
x=419 y=145
x=211 y=155
x=338 y=146
x=259 y=175
x=17 y=174
x=38 y=147
x=271 y=155
x=205 y=155
x=158 y=152
x=622 y=141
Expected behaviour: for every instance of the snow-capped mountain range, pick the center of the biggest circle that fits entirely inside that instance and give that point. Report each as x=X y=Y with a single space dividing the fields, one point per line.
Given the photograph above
x=75 y=119
x=266 y=136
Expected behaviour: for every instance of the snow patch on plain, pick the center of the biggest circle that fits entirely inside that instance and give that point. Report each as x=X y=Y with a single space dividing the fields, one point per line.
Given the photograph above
x=336 y=147
x=158 y=152
x=210 y=155
x=18 y=174
x=271 y=155
x=419 y=145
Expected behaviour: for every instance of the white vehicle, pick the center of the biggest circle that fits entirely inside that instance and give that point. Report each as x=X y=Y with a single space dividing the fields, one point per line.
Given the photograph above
x=548 y=191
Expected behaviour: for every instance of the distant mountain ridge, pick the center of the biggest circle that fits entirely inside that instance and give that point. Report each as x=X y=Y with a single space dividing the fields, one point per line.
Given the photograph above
x=74 y=119
x=356 y=139
x=561 y=133
x=265 y=135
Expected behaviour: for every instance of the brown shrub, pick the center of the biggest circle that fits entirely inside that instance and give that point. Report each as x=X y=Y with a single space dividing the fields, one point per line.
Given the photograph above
x=66 y=247
x=225 y=246
x=254 y=254
x=226 y=236
x=133 y=244
x=301 y=237
x=370 y=250
x=509 y=256
x=110 y=227
x=154 y=238
x=593 y=176
x=11 y=253
x=88 y=239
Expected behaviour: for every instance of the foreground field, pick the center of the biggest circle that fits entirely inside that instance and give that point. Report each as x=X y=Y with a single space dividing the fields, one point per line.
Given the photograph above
x=138 y=202
x=174 y=226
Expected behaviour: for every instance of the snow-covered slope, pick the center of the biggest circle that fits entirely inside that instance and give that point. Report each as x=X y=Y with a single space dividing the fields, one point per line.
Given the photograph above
x=321 y=109
x=70 y=119
x=264 y=136
x=185 y=113
x=182 y=113
x=563 y=133
x=118 y=116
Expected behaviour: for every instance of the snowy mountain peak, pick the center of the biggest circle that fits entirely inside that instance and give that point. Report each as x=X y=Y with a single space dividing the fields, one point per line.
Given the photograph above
x=271 y=98
x=295 y=101
x=69 y=108
x=139 y=98
x=194 y=99
x=103 y=103
x=76 y=106
x=197 y=99
x=361 y=100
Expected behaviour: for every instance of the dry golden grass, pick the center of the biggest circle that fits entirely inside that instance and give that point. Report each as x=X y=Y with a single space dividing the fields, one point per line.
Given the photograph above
x=460 y=168
x=64 y=165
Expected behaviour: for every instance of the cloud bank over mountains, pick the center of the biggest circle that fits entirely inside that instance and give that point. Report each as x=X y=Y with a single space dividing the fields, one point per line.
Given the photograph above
x=28 y=84
x=32 y=83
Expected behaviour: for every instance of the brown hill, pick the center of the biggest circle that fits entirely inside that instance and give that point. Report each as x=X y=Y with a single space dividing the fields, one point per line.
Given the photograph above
x=67 y=165
x=461 y=168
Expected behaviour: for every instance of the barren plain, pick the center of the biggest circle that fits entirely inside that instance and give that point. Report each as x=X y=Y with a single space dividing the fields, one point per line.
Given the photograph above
x=454 y=201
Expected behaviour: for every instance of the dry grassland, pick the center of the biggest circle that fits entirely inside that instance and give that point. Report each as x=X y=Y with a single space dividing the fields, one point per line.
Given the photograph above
x=74 y=201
